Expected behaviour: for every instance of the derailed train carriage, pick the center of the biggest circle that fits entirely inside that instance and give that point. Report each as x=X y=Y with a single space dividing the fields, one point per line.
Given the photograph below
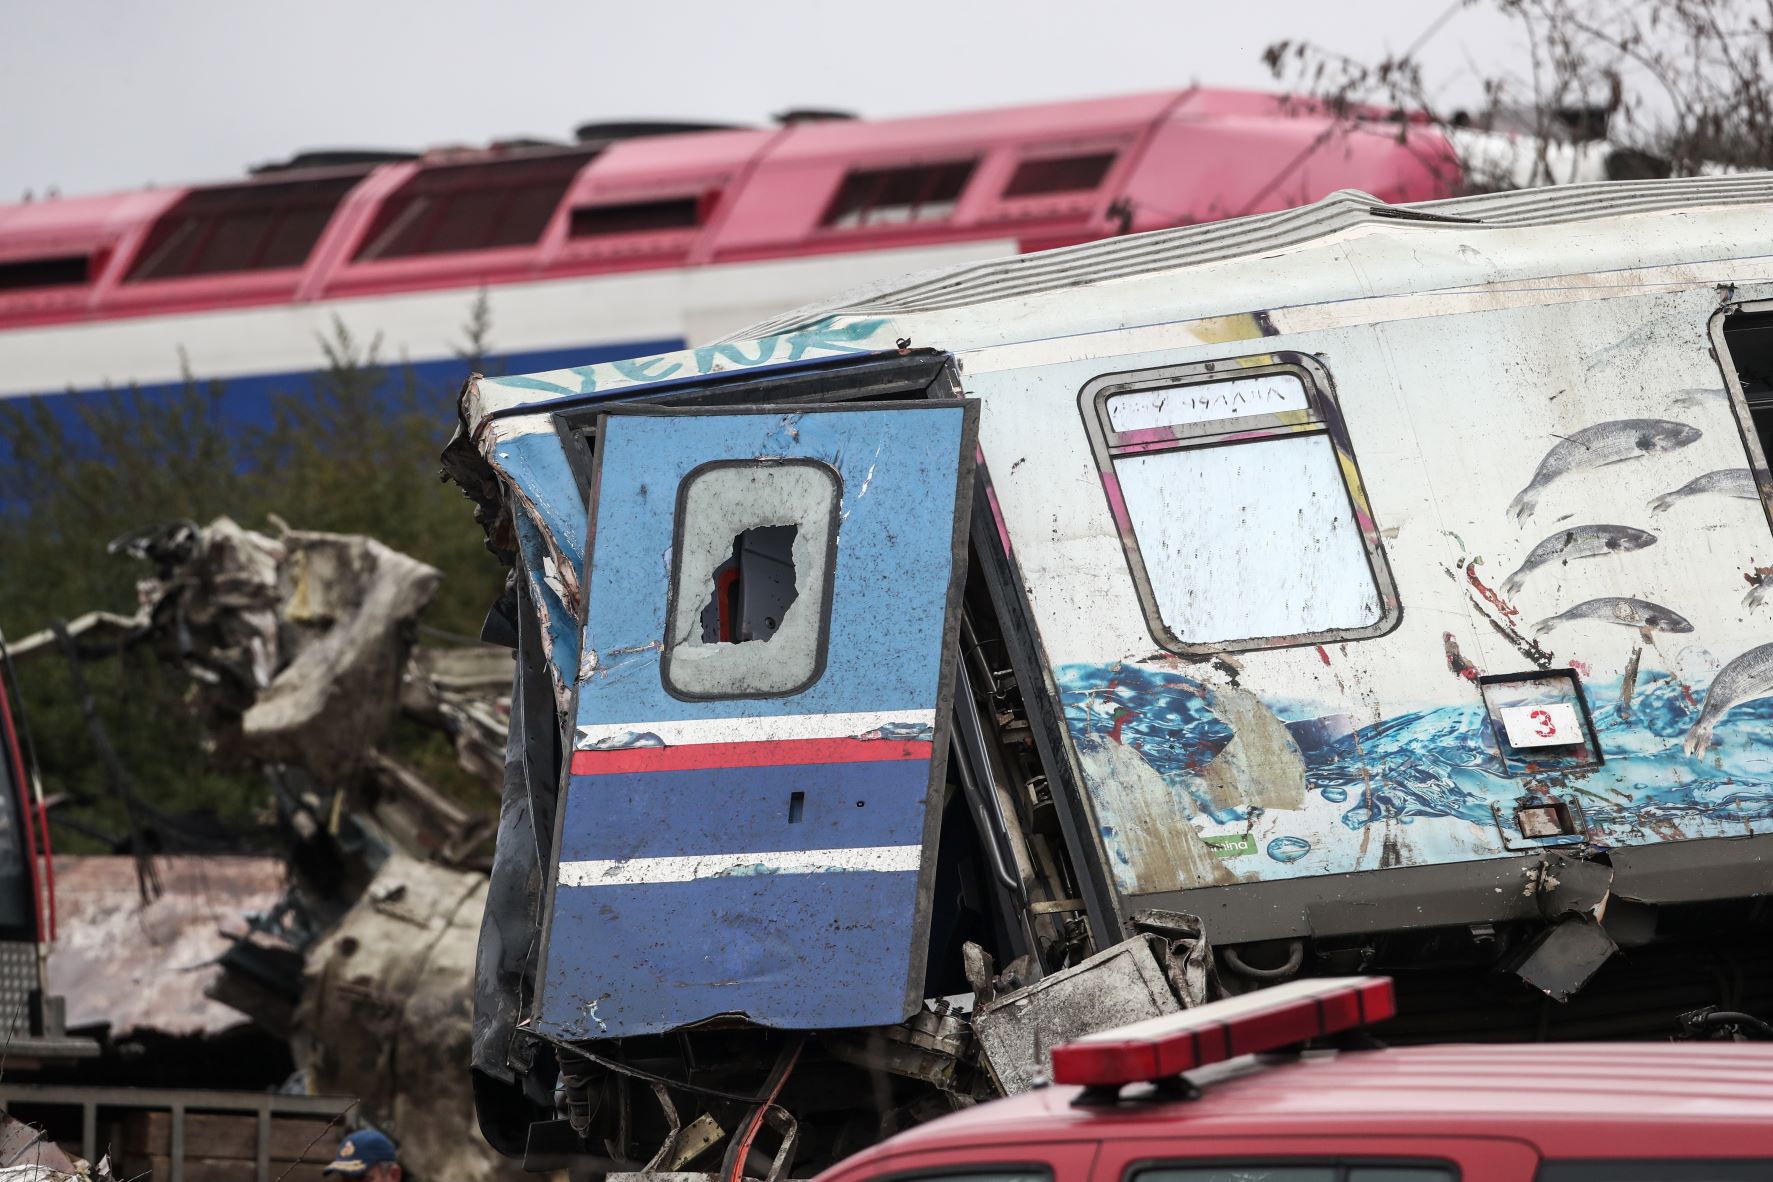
x=922 y=679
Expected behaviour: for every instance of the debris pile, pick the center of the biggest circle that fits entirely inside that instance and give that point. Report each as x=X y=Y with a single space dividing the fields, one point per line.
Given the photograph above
x=302 y=653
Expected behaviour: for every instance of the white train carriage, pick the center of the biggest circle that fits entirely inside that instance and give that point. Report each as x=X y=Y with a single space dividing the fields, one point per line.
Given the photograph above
x=1379 y=586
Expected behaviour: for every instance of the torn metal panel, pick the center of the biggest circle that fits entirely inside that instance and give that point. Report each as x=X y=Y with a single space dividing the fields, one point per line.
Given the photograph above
x=345 y=609
x=466 y=693
x=1564 y=957
x=798 y=835
x=1016 y=1031
x=135 y=966
x=383 y=1016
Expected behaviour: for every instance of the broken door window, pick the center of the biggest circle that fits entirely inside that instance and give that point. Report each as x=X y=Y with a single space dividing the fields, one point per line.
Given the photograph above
x=756 y=543
x=1239 y=505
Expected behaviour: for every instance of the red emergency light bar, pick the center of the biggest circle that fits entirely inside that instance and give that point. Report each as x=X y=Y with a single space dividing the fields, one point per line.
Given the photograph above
x=1159 y=1048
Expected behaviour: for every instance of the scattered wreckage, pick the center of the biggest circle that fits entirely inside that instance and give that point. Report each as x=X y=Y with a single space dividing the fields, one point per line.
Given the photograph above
x=302 y=650
x=1351 y=588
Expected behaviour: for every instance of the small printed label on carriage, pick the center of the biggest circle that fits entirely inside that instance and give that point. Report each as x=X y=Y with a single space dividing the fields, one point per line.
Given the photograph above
x=1551 y=724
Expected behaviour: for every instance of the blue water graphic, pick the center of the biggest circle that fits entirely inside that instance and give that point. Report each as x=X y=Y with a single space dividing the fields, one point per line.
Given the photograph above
x=1288 y=849
x=1443 y=765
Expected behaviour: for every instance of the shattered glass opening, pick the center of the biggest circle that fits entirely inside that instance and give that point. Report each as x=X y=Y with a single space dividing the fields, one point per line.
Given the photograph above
x=751 y=578
x=753 y=589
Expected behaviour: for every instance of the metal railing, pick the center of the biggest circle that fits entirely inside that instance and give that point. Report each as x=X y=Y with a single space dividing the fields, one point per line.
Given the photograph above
x=177 y=1102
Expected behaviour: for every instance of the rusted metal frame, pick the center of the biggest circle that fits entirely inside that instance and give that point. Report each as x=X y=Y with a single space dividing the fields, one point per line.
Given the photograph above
x=177 y=1102
x=1745 y=426
x=1028 y=662
x=1324 y=418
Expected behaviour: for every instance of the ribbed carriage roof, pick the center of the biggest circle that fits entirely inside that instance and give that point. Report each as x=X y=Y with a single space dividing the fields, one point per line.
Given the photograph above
x=1163 y=250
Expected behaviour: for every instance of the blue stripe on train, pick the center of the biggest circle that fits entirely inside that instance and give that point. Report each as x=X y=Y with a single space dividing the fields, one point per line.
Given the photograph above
x=740 y=810
x=246 y=400
x=656 y=965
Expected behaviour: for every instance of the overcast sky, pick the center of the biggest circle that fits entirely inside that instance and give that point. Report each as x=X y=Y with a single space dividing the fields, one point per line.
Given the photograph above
x=102 y=95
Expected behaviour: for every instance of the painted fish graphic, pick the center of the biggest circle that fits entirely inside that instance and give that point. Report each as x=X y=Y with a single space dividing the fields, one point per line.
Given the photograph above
x=1744 y=679
x=1579 y=541
x=1602 y=444
x=1725 y=482
x=1615 y=609
x=1757 y=594
x=1696 y=396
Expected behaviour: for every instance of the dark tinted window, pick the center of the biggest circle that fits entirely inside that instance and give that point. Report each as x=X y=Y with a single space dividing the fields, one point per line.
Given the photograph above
x=594 y=221
x=1060 y=174
x=240 y=228
x=471 y=207
x=1748 y=339
x=28 y=273
x=1369 y=1171
x=1732 y=1170
x=886 y=196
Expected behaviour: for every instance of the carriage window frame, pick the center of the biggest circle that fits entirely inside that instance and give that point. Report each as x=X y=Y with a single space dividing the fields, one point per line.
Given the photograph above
x=1321 y=416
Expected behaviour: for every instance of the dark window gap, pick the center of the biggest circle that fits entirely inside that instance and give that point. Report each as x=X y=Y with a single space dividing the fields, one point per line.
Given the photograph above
x=26 y=274
x=595 y=221
x=1748 y=338
x=754 y=588
x=917 y=193
x=1059 y=174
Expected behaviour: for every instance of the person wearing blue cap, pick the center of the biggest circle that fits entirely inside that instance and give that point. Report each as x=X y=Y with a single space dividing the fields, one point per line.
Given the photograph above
x=366 y=1155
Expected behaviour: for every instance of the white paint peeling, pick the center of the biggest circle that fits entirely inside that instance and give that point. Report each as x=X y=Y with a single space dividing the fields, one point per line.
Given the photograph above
x=879 y=859
x=767 y=728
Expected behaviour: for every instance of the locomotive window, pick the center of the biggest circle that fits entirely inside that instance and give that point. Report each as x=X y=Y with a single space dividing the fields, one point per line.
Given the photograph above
x=1239 y=505
x=1059 y=174
x=471 y=206
x=890 y=196
x=755 y=551
x=255 y=227
x=676 y=213
x=25 y=274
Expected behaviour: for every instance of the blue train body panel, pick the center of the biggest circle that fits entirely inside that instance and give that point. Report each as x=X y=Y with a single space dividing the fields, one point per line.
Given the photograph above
x=747 y=826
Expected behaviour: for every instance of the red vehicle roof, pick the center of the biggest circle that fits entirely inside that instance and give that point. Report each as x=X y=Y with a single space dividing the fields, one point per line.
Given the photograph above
x=1593 y=1100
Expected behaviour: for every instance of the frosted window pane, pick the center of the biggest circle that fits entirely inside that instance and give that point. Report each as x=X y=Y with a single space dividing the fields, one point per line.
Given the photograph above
x=1263 y=394
x=718 y=505
x=1249 y=540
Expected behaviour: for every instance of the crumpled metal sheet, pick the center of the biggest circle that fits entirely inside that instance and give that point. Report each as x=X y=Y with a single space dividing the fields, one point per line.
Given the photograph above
x=345 y=606
x=386 y=1014
x=1018 y=1030
x=137 y=966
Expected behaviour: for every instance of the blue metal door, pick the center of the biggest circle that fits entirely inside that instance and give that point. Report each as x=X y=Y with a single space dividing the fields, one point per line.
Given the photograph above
x=748 y=825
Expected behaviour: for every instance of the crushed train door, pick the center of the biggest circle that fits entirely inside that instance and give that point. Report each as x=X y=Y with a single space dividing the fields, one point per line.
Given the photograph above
x=746 y=828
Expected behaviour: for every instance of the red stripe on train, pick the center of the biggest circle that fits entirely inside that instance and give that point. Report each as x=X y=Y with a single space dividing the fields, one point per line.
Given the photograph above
x=767 y=753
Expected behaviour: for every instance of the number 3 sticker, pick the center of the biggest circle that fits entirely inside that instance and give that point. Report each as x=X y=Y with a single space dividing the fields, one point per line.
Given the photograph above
x=1551 y=725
